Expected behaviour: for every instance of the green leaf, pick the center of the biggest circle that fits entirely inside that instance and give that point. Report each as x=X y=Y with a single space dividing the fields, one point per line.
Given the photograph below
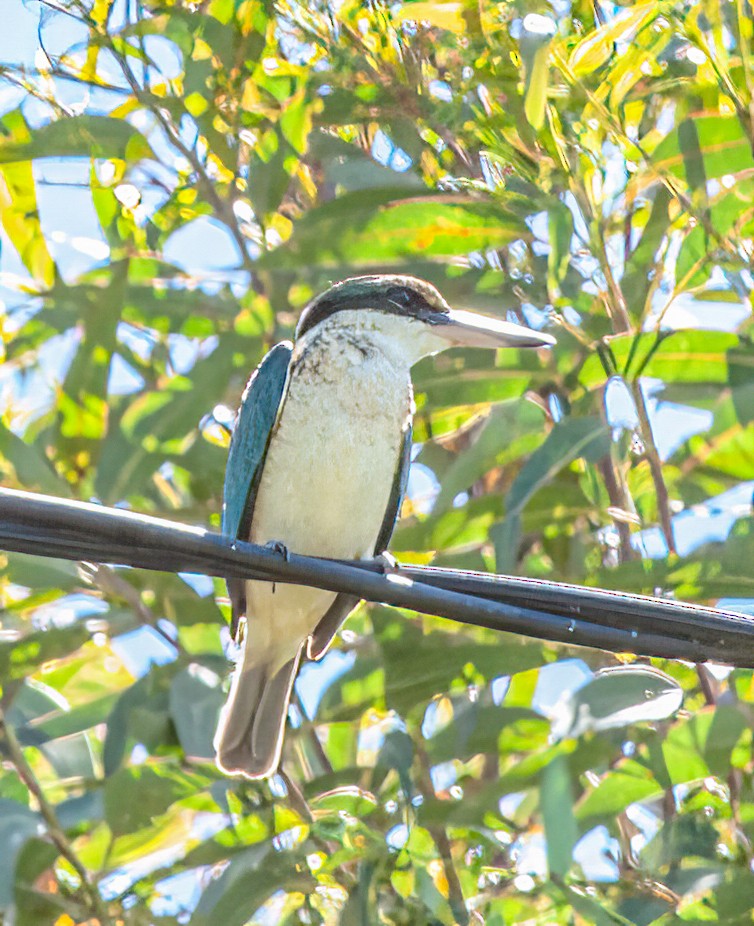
x=195 y=701
x=686 y=356
x=134 y=796
x=251 y=877
x=511 y=430
x=615 y=697
x=597 y=46
x=560 y=229
x=32 y=906
x=140 y=716
x=420 y=665
x=17 y=825
x=31 y=468
x=702 y=744
x=556 y=801
x=593 y=910
x=637 y=280
x=692 y=259
x=535 y=49
x=680 y=840
x=475 y=729
x=22 y=657
x=20 y=219
x=70 y=756
x=717 y=146
x=569 y=440
x=445 y=14
x=378 y=226
x=79 y=136
x=627 y=784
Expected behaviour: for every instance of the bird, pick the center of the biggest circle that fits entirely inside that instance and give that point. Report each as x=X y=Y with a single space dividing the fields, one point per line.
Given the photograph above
x=318 y=465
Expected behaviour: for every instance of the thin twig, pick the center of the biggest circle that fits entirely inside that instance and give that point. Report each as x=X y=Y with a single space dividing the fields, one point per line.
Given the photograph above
x=655 y=466
x=439 y=834
x=56 y=832
x=222 y=207
x=110 y=583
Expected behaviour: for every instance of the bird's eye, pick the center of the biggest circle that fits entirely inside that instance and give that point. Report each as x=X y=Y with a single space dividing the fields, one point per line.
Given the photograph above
x=399 y=294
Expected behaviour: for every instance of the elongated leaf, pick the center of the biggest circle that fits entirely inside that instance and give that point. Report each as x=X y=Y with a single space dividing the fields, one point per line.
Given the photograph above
x=70 y=756
x=569 y=440
x=135 y=796
x=615 y=697
x=717 y=141
x=676 y=357
x=79 y=136
x=597 y=47
x=512 y=429
x=556 y=800
x=447 y=14
x=20 y=218
x=366 y=229
x=31 y=467
x=251 y=877
x=637 y=279
x=625 y=785
x=195 y=702
x=17 y=824
x=22 y=657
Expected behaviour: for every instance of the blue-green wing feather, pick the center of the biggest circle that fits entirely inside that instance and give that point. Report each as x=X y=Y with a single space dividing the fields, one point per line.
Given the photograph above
x=260 y=403
x=396 y=495
x=256 y=418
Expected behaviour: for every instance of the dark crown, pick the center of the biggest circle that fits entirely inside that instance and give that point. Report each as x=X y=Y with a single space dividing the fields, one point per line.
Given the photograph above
x=396 y=294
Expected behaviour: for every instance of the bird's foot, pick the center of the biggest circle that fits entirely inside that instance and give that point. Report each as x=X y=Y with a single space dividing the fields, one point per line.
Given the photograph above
x=387 y=563
x=277 y=546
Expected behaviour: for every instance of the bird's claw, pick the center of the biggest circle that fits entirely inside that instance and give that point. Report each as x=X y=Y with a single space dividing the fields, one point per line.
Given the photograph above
x=386 y=562
x=277 y=546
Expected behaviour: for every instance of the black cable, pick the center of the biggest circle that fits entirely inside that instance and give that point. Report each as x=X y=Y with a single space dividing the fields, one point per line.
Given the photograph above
x=47 y=526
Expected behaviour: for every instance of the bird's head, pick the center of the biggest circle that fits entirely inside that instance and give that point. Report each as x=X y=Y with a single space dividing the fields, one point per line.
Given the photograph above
x=410 y=311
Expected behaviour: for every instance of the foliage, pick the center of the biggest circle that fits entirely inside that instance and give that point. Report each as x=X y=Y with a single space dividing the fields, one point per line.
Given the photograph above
x=585 y=167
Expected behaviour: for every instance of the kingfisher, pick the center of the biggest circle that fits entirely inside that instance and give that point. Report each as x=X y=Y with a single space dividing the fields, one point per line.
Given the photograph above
x=318 y=465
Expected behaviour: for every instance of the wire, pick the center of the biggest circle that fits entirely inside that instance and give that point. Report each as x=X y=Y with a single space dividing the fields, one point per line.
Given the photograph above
x=46 y=526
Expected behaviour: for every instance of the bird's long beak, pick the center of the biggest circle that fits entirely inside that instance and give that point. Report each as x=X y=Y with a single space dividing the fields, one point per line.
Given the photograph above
x=467 y=329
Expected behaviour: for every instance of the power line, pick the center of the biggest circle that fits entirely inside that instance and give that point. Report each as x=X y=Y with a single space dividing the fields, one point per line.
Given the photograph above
x=48 y=526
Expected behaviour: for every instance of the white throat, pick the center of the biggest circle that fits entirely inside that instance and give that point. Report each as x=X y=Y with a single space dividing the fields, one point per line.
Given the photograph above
x=401 y=339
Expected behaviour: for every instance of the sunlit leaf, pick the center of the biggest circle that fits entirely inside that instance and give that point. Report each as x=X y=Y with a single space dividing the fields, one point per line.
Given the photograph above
x=79 y=136
x=719 y=148
x=447 y=14
x=615 y=697
x=366 y=229
x=596 y=48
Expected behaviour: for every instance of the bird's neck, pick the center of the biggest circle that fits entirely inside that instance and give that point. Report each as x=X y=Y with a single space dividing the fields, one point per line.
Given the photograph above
x=356 y=335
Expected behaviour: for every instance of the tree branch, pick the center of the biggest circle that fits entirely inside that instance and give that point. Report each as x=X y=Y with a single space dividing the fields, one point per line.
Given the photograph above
x=655 y=466
x=54 y=829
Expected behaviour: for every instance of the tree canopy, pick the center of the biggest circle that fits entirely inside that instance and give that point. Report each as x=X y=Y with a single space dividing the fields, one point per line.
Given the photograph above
x=177 y=180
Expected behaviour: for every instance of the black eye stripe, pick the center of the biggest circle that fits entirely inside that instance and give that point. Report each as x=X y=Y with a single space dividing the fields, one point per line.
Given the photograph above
x=376 y=293
x=399 y=294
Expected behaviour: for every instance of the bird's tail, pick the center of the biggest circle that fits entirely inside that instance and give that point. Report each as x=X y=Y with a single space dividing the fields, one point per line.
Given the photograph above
x=249 y=737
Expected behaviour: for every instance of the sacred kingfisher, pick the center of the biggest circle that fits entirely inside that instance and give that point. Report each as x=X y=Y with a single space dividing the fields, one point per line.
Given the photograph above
x=318 y=463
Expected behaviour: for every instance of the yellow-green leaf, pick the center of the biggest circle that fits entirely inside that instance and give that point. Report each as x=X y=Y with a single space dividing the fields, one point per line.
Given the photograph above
x=595 y=49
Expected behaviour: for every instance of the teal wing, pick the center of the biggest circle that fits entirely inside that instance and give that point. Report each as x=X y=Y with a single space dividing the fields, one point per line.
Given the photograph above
x=260 y=403
x=339 y=610
x=396 y=495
